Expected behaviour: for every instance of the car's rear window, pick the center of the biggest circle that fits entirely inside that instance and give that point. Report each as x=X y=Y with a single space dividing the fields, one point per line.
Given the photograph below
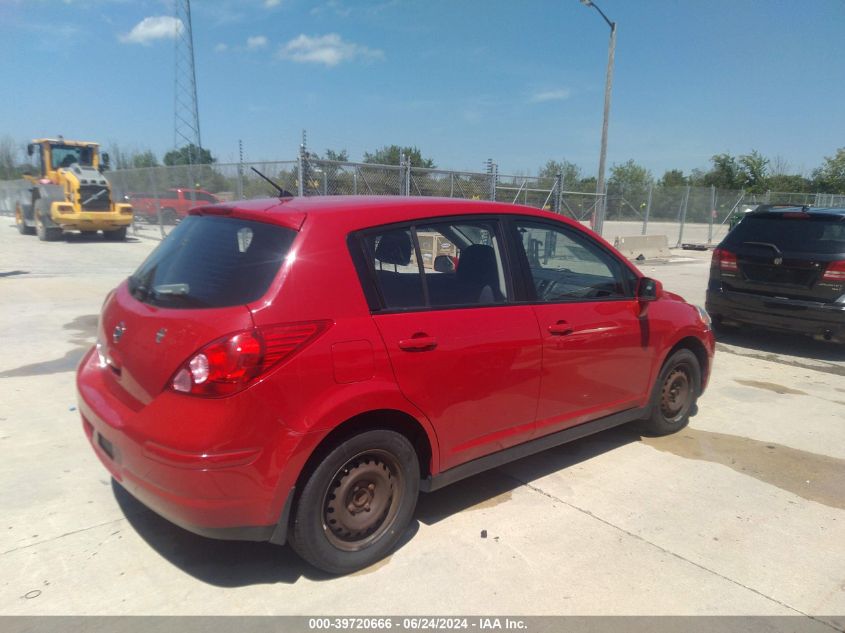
x=819 y=234
x=212 y=262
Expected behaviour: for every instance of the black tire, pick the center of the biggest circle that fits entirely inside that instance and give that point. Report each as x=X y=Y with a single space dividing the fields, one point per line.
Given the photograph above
x=118 y=235
x=45 y=233
x=675 y=394
x=357 y=502
x=20 y=222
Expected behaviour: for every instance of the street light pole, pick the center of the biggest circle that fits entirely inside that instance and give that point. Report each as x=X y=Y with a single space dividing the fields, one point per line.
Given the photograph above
x=601 y=199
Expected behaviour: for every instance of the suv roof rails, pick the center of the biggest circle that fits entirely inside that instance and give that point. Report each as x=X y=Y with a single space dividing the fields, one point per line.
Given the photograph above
x=773 y=207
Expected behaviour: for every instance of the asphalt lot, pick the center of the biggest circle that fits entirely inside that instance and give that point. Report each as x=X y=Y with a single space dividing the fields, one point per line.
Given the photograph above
x=741 y=513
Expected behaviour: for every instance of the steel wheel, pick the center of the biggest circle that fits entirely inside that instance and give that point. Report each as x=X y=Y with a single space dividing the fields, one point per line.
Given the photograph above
x=356 y=502
x=675 y=397
x=674 y=394
x=362 y=500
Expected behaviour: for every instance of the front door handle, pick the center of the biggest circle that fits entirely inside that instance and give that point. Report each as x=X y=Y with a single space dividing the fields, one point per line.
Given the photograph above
x=419 y=342
x=561 y=328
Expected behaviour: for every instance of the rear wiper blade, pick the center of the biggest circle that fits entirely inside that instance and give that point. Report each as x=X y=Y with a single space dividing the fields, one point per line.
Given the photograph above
x=767 y=245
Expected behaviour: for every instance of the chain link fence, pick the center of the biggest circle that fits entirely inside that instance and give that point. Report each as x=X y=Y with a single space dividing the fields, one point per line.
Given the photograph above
x=161 y=196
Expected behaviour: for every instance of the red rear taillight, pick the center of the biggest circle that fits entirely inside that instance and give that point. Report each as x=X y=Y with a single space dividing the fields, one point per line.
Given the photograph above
x=724 y=260
x=231 y=363
x=835 y=272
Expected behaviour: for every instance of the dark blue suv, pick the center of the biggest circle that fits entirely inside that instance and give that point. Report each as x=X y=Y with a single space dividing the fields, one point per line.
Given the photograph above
x=783 y=268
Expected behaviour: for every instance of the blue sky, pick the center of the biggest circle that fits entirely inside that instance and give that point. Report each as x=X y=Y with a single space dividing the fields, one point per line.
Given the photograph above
x=519 y=81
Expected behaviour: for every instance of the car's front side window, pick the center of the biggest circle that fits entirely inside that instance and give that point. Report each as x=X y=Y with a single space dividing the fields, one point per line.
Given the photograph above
x=565 y=266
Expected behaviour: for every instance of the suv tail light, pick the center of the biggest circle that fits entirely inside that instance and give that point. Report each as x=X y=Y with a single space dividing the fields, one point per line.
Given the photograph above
x=835 y=272
x=231 y=363
x=724 y=261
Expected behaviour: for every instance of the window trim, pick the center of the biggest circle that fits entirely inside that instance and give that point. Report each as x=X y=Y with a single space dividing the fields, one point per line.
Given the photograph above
x=364 y=261
x=618 y=267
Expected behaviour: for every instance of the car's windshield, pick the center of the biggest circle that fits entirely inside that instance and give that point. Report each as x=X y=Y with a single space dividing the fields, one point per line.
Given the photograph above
x=67 y=155
x=212 y=262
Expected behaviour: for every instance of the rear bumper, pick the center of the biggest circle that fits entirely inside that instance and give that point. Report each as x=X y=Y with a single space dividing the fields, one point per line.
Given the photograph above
x=816 y=319
x=224 y=494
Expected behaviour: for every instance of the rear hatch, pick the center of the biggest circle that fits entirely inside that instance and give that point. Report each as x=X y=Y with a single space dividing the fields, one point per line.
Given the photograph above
x=192 y=289
x=792 y=255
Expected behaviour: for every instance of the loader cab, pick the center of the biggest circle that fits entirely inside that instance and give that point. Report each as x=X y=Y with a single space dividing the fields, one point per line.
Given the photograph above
x=51 y=155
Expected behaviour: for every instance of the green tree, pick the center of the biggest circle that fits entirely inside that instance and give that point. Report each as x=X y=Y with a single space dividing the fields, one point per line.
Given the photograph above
x=629 y=174
x=753 y=171
x=182 y=156
x=341 y=157
x=627 y=189
x=673 y=178
x=830 y=177
x=144 y=159
x=724 y=173
x=389 y=155
x=570 y=171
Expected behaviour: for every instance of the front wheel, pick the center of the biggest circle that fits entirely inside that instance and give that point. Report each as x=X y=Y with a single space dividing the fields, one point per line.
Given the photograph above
x=45 y=233
x=675 y=393
x=357 y=502
x=20 y=222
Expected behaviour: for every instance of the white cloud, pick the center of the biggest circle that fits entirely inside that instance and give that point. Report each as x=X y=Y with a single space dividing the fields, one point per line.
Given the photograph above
x=269 y=4
x=329 y=50
x=551 y=95
x=221 y=48
x=256 y=41
x=157 y=27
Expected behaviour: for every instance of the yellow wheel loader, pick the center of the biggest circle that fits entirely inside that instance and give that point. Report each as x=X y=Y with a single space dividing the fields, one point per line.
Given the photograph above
x=69 y=193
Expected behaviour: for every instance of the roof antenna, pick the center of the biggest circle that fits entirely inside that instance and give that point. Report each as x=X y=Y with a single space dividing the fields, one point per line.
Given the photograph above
x=283 y=193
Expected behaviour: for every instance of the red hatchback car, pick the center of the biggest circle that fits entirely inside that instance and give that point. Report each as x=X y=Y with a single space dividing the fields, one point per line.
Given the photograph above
x=298 y=369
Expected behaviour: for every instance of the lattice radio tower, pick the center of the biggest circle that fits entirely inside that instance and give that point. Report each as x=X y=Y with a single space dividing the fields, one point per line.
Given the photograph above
x=186 y=112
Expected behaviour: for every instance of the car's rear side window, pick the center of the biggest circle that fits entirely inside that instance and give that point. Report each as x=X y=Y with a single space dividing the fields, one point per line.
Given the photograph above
x=805 y=234
x=212 y=262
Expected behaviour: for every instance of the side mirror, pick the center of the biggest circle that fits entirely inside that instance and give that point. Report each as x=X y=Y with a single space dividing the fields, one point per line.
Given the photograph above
x=104 y=162
x=30 y=149
x=648 y=290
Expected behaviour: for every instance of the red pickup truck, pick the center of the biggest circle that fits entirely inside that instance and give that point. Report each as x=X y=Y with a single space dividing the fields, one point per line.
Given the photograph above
x=173 y=203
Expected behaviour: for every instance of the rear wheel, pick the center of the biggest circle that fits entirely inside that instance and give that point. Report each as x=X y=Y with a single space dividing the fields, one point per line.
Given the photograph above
x=45 y=233
x=357 y=502
x=118 y=235
x=675 y=394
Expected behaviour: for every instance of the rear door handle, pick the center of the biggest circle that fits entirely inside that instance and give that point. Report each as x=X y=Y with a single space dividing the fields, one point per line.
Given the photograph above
x=561 y=328
x=418 y=343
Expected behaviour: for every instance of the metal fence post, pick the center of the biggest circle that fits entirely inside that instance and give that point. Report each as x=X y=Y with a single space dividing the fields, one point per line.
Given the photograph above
x=154 y=189
x=712 y=214
x=300 y=170
x=493 y=172
x=683 y=216
x=559 y=196
x=648 y=208
x=240 y=191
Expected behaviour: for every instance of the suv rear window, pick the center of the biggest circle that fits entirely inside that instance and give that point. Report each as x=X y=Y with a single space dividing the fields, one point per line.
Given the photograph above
x=212 y=262
x=808 y=234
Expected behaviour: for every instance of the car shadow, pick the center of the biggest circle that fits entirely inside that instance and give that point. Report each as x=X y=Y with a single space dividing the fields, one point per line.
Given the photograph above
x=242 y=563
x=781 y=343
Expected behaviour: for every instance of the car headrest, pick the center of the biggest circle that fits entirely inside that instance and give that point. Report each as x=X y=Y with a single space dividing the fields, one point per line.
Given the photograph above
x=394 y=248
x=478 y=265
